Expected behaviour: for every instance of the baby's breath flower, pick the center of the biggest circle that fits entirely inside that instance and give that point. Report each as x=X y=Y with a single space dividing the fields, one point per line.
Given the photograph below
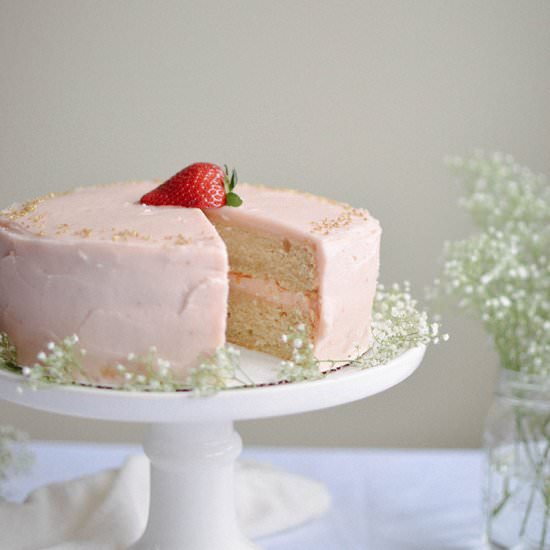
x=397 y=326
x=148 y=372
x=62 y=365
x=291 y=371
x=501 y=274
x=393 y=335
x=303 y=364
x=219 y=371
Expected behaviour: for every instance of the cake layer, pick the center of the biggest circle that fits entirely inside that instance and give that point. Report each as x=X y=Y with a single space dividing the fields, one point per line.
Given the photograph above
x=258 y=323
x=271 y=291
x=289 y=261
x=122 y=276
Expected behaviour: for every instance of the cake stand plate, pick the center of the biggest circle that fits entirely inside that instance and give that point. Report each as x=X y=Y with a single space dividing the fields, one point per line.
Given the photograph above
x=192 y=444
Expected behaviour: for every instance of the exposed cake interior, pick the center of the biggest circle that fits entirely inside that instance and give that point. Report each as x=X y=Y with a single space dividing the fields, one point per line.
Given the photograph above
x=273 y=287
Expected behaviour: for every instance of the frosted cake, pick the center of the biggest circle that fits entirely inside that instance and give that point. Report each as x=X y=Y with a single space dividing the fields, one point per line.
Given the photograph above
x=124 y=276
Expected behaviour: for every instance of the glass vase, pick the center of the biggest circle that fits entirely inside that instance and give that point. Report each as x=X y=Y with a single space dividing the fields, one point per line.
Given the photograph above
x=517 y=443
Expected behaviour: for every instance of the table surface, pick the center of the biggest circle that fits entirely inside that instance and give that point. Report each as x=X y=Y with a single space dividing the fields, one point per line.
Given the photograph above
x=381 y=499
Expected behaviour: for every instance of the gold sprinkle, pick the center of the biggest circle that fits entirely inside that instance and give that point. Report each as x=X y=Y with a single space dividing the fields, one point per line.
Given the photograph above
x=30 y=206
x=62 y=228
x=38 y=219
x=181 y=240
x=84 y=233
x=125 y=234
x=26 y=208
x=326 y=225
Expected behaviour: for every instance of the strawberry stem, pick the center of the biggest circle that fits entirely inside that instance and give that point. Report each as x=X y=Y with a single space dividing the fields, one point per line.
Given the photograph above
x=229 y=183
x=232 y=199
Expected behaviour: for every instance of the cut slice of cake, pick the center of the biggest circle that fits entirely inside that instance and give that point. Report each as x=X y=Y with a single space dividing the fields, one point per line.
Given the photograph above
x=297 y=258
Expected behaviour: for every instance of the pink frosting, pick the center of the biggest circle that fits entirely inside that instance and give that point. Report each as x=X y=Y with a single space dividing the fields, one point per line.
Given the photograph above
x=271 y=291
x=124 y=276
x=119 y=292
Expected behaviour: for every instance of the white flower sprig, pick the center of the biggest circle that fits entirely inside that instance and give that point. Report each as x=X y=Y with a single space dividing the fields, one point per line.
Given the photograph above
x=502 y=274
x=219 y=371
x=60 y=364
x=15 y=458
x=500 y=192
x=303 y=364
x=147 y=373
x=397 y=326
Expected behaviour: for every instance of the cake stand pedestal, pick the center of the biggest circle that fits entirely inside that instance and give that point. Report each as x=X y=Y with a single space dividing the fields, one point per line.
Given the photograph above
x=192 y=444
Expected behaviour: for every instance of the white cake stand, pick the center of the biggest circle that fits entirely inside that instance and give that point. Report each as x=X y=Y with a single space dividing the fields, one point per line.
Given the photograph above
x=192 y=444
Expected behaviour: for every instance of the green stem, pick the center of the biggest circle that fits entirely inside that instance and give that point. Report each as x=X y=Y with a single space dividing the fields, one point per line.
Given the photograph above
x=538 y=467
x=507 y=494
x=545 y=497
x=545 y=522
x=539 y=470
x=525 y=441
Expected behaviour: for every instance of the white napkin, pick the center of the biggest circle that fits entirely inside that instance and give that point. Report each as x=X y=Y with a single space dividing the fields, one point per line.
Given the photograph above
x=108 y=511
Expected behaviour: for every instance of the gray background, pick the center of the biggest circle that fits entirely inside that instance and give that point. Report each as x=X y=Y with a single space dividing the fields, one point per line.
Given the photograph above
x=359 y=101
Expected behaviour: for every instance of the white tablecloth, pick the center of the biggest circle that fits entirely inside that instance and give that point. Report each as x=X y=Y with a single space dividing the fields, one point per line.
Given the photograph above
x=381 y=500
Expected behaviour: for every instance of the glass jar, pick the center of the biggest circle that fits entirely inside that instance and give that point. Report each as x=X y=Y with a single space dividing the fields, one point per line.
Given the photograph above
x=517 y=443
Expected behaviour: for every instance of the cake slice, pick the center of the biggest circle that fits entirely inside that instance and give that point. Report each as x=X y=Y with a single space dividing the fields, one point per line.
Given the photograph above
x=297 y=258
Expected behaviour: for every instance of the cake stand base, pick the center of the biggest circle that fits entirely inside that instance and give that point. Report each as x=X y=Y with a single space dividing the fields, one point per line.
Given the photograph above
x=192 y=499
x=191 y=442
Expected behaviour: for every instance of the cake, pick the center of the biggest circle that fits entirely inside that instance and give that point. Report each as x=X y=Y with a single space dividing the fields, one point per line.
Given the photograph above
x=124 y=276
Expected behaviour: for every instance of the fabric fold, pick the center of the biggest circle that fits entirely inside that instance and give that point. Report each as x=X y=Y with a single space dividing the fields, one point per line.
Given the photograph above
x=108 y=510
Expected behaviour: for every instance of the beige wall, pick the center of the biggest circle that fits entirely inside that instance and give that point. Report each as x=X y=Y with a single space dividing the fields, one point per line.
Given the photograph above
x=356 y=100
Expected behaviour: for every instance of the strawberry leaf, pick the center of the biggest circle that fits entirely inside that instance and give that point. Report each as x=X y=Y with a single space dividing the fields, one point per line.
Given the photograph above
x=232 y=199
x=226 y=185
x=233 y=181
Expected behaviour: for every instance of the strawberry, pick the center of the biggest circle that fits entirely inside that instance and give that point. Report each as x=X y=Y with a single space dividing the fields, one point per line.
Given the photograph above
x=200 y=185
